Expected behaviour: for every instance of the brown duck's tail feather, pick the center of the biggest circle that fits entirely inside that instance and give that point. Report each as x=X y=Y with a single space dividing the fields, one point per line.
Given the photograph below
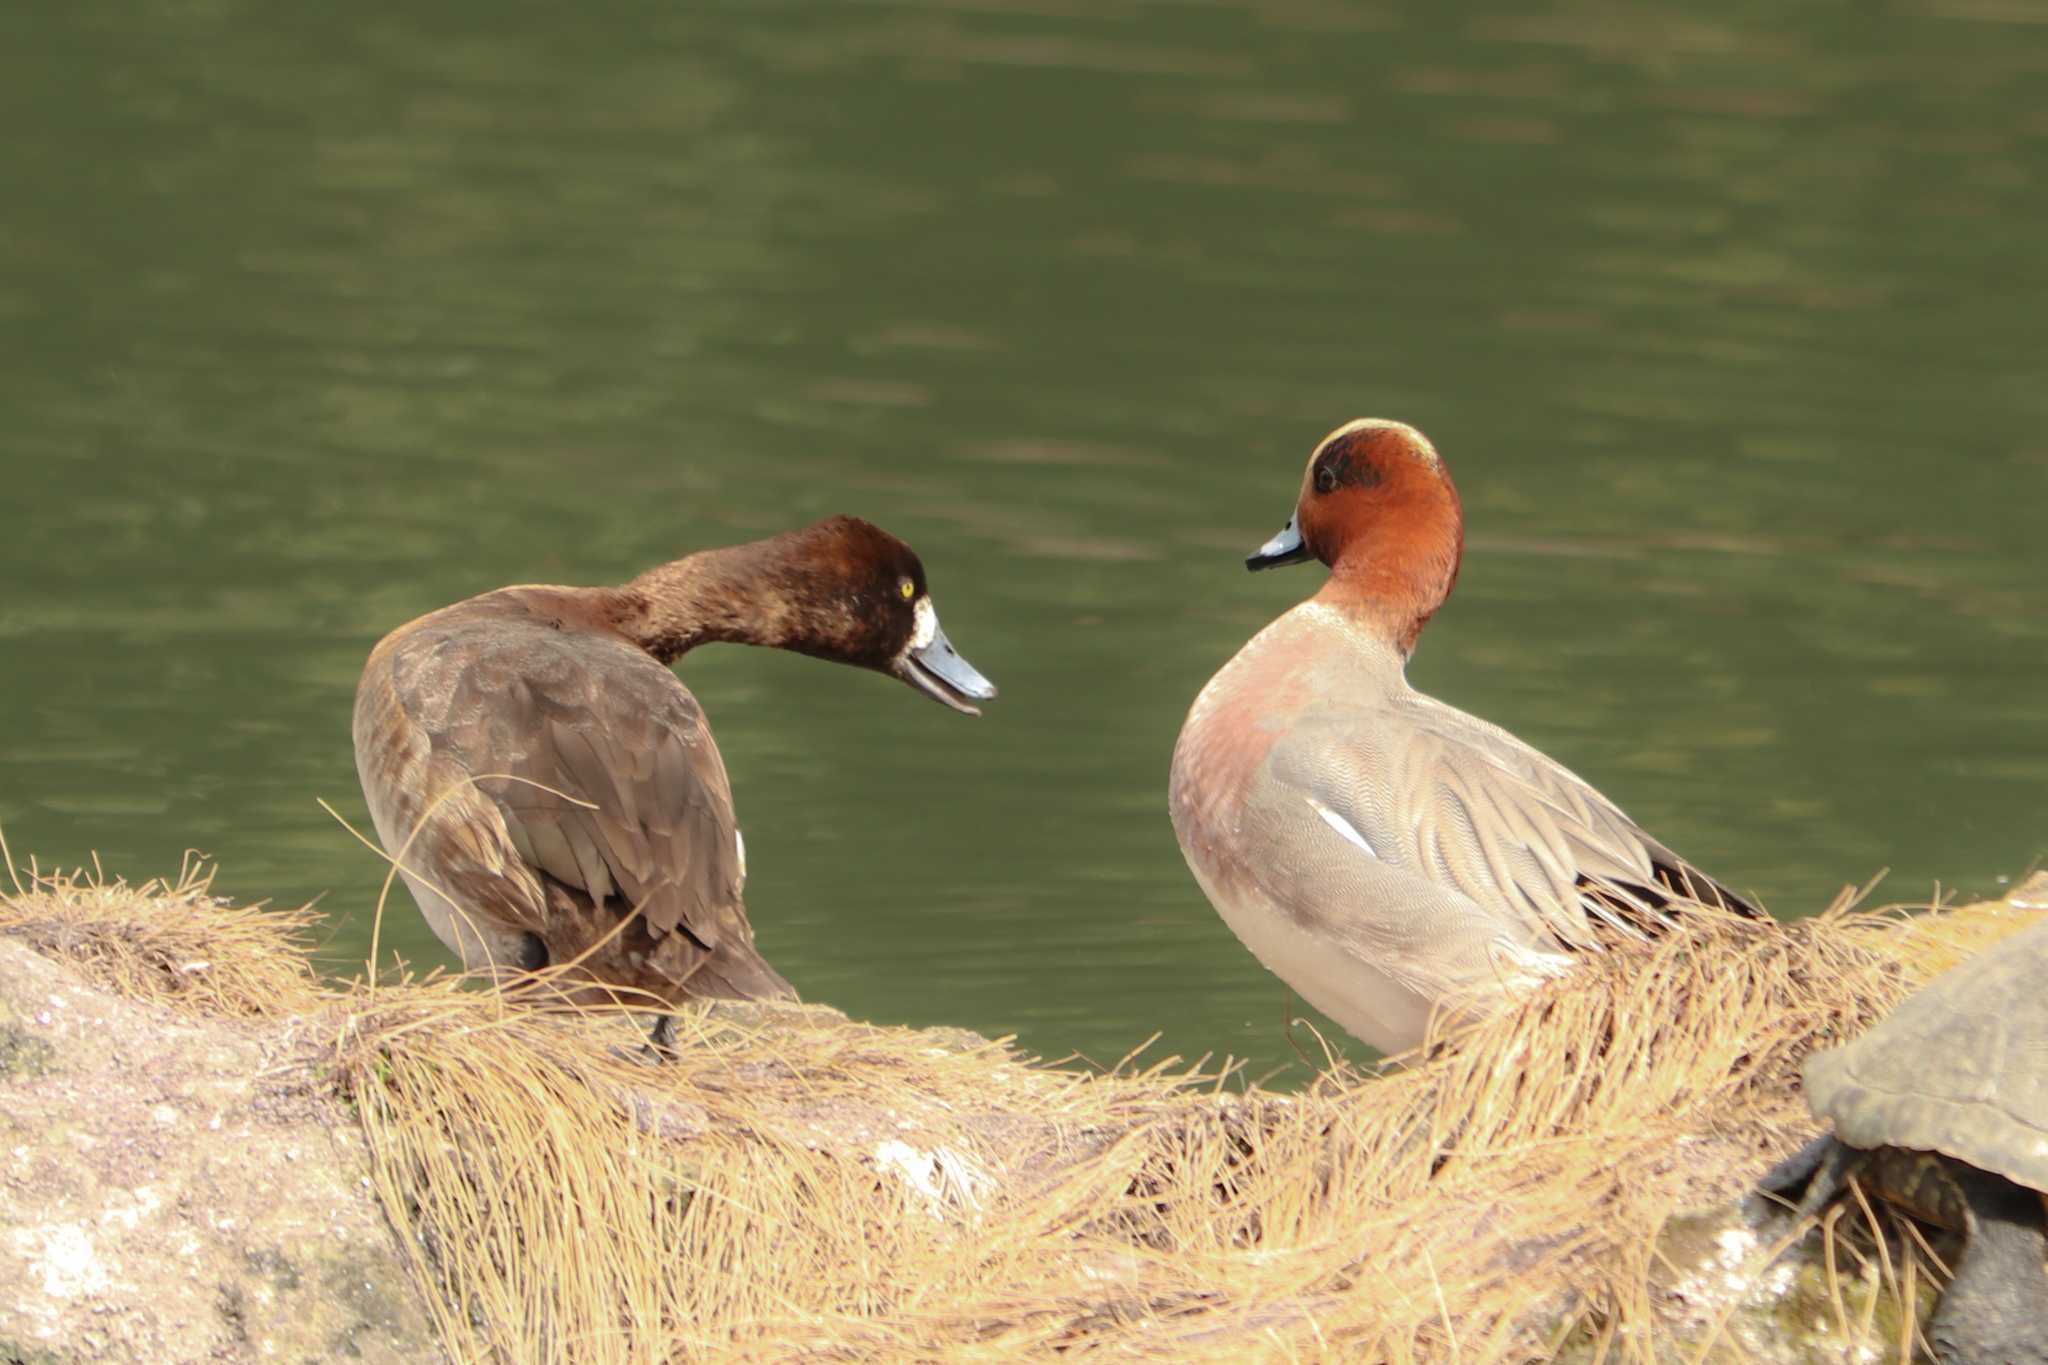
x=738 y=972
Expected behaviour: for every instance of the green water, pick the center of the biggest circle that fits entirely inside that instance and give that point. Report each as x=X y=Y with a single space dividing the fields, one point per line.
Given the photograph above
x=1729 y=319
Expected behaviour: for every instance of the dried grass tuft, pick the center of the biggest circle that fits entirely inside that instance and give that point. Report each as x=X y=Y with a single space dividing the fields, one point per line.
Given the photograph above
x=169 y=939
x=798 y=1186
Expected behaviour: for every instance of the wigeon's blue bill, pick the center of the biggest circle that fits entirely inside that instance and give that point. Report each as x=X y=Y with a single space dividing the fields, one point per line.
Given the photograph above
x=1286 y=548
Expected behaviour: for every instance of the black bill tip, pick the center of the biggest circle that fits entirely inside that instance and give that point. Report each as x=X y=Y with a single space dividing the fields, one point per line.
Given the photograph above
x=1286 y=548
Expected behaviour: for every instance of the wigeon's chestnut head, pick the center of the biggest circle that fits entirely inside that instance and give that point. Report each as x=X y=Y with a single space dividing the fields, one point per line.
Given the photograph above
x=551 y=792
x=1391 y=857
x=1377 y=506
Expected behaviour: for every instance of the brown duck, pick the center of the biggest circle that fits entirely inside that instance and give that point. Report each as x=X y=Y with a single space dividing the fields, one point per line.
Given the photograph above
x=540 y=775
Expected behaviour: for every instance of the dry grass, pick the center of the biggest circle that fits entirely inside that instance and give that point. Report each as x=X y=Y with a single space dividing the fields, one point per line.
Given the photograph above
x=168 y=939
x=797 y=1186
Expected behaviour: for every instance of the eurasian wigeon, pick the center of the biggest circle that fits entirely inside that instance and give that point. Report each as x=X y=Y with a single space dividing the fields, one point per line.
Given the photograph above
x=1379 y=851
x=539 y=774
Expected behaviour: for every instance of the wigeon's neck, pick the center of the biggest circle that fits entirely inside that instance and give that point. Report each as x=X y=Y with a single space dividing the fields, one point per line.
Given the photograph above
x=1394 y=580
x=732 y=595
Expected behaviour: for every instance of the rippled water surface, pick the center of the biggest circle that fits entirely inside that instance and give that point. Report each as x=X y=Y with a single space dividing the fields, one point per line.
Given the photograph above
x=1727 y=317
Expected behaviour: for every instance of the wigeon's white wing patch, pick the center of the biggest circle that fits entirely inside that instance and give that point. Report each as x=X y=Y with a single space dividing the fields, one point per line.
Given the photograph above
x=1342 y=826
x=739 y=846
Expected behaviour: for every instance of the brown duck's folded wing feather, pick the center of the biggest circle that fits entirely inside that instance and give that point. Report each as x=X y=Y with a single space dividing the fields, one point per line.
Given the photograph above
x=1515 y=829
x=434 y=822
x=603 y=779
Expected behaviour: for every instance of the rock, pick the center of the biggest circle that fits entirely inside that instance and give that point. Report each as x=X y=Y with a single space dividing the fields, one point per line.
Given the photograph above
x=174 y=1191
x=1719 y=1277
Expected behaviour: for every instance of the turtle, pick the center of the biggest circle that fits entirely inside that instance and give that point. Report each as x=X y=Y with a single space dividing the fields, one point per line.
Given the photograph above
x=1941 y=1108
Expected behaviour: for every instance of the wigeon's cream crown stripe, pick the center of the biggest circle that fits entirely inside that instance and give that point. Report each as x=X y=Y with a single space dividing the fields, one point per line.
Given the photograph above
x=1417 y=441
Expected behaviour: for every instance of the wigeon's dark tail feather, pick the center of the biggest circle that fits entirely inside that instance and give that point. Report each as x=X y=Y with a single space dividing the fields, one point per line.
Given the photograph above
x=1645 y=911
x=1684 y=880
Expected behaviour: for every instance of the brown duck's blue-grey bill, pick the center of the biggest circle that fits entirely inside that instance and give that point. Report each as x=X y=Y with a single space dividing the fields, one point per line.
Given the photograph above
x=937 y=670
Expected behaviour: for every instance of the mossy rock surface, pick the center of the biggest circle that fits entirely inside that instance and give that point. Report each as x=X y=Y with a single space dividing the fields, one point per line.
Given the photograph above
x=171 y=1190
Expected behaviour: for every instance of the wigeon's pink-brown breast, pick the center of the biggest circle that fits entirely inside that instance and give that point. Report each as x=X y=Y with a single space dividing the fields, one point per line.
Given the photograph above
x=1231 y=728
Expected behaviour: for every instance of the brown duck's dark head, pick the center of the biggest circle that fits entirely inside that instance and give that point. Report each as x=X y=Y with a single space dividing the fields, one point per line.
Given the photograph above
x=857 y=595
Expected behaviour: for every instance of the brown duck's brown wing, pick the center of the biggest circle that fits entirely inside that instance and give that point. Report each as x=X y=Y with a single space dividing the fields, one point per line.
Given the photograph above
x=602 y=771
x=448 y=836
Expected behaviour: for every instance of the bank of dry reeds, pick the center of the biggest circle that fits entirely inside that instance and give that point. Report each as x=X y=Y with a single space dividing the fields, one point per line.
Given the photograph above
x=798 y=1186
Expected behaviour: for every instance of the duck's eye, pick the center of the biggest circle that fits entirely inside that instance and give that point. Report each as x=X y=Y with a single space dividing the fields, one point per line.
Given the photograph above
x=1326 y=479
x=906 y=589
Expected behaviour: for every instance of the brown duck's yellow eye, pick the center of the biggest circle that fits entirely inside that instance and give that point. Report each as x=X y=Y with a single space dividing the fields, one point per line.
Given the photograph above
x=907 y=588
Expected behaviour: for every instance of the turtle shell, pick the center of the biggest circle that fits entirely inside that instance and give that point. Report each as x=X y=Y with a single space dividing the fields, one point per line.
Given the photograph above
x=1960 y=1067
